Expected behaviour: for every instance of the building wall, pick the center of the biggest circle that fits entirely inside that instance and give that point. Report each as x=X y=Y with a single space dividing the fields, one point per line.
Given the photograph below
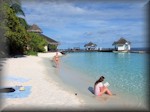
x=46 y=48
x=129 y=47
x=90 y=48
x=123 y=47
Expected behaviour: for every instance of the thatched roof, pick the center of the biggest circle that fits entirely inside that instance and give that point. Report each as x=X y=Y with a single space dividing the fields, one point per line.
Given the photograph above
x=90 y=44
x=121 y=41
x=49 y=40
x=34 y=28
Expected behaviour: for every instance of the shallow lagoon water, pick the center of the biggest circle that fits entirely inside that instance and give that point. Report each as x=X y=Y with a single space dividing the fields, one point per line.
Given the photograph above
x=127 y=74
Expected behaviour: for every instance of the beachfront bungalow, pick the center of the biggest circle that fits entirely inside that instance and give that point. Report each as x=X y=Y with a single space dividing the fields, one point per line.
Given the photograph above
x=122 y=45
x=52 y=44
x=90 y=46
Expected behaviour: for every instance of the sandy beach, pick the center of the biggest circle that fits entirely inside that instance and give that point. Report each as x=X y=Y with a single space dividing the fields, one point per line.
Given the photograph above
x=45 y=93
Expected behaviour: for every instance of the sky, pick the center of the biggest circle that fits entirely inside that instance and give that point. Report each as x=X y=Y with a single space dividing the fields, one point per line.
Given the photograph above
x=74 y=23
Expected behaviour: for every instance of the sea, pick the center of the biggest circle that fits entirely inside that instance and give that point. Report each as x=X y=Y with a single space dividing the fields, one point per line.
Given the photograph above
x=127 y=74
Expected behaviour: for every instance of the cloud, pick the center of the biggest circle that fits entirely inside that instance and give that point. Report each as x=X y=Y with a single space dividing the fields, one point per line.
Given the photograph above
x=62 y=12
x=75 y=20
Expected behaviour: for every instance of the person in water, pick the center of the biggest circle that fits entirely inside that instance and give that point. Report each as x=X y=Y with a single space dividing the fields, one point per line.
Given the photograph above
x=99 y=88
x=56 y=59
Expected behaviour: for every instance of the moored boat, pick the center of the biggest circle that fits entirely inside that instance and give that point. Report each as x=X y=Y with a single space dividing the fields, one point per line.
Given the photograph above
x=121 y=51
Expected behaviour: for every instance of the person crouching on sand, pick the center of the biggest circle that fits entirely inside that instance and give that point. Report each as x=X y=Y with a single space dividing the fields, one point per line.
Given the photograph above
x=99 y=88
x=56 y=59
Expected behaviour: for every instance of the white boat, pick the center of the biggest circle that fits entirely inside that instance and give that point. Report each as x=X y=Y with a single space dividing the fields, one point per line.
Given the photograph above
x=123 y=51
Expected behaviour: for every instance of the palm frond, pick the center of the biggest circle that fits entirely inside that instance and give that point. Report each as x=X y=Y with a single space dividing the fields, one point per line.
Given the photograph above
x=23 y=22
x=13 y=1
x=17 y=9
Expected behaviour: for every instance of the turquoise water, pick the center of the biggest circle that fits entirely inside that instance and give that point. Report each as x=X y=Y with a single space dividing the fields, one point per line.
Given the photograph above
x=127 y=73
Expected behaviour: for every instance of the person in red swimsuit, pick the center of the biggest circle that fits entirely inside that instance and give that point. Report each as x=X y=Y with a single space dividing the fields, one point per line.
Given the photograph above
x=56 y=59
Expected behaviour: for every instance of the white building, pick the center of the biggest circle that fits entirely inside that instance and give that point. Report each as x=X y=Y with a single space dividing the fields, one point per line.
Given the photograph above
x=122 y=45
x=90 y=46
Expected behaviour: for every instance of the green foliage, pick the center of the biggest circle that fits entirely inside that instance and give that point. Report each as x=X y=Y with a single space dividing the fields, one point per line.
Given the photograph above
x=37 y=42
x=52 y=47
x=23 y=22
x=17 y=9
x=30 y=52
x=15 y=32
x=20 y=41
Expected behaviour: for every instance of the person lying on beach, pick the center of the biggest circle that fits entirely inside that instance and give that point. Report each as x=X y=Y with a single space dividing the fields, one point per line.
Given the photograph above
x=56 y=59
x=99 y=88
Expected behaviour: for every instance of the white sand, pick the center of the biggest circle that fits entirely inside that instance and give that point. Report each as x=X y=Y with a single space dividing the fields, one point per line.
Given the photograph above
x=46 y=93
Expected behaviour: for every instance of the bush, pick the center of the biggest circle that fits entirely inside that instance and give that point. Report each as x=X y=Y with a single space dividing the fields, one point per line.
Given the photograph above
x=31 y=53
x=15 y=32
x=37 y=43
x=53 y=47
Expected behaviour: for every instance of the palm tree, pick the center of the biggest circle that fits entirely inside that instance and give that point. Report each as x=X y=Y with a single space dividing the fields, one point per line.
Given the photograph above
x=16 y=7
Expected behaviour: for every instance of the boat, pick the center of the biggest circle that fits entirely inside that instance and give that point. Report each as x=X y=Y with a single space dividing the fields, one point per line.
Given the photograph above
x=63 y=52
x=121 y=51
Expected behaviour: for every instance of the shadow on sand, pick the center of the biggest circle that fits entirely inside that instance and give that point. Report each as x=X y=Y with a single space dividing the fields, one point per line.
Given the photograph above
x=53 y=64
x=17 y=56
x=91 y=89
x=2 y=61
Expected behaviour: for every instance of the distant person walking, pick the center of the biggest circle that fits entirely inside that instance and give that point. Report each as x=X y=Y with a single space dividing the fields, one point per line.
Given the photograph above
x=56 y=59
x=99 y=88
